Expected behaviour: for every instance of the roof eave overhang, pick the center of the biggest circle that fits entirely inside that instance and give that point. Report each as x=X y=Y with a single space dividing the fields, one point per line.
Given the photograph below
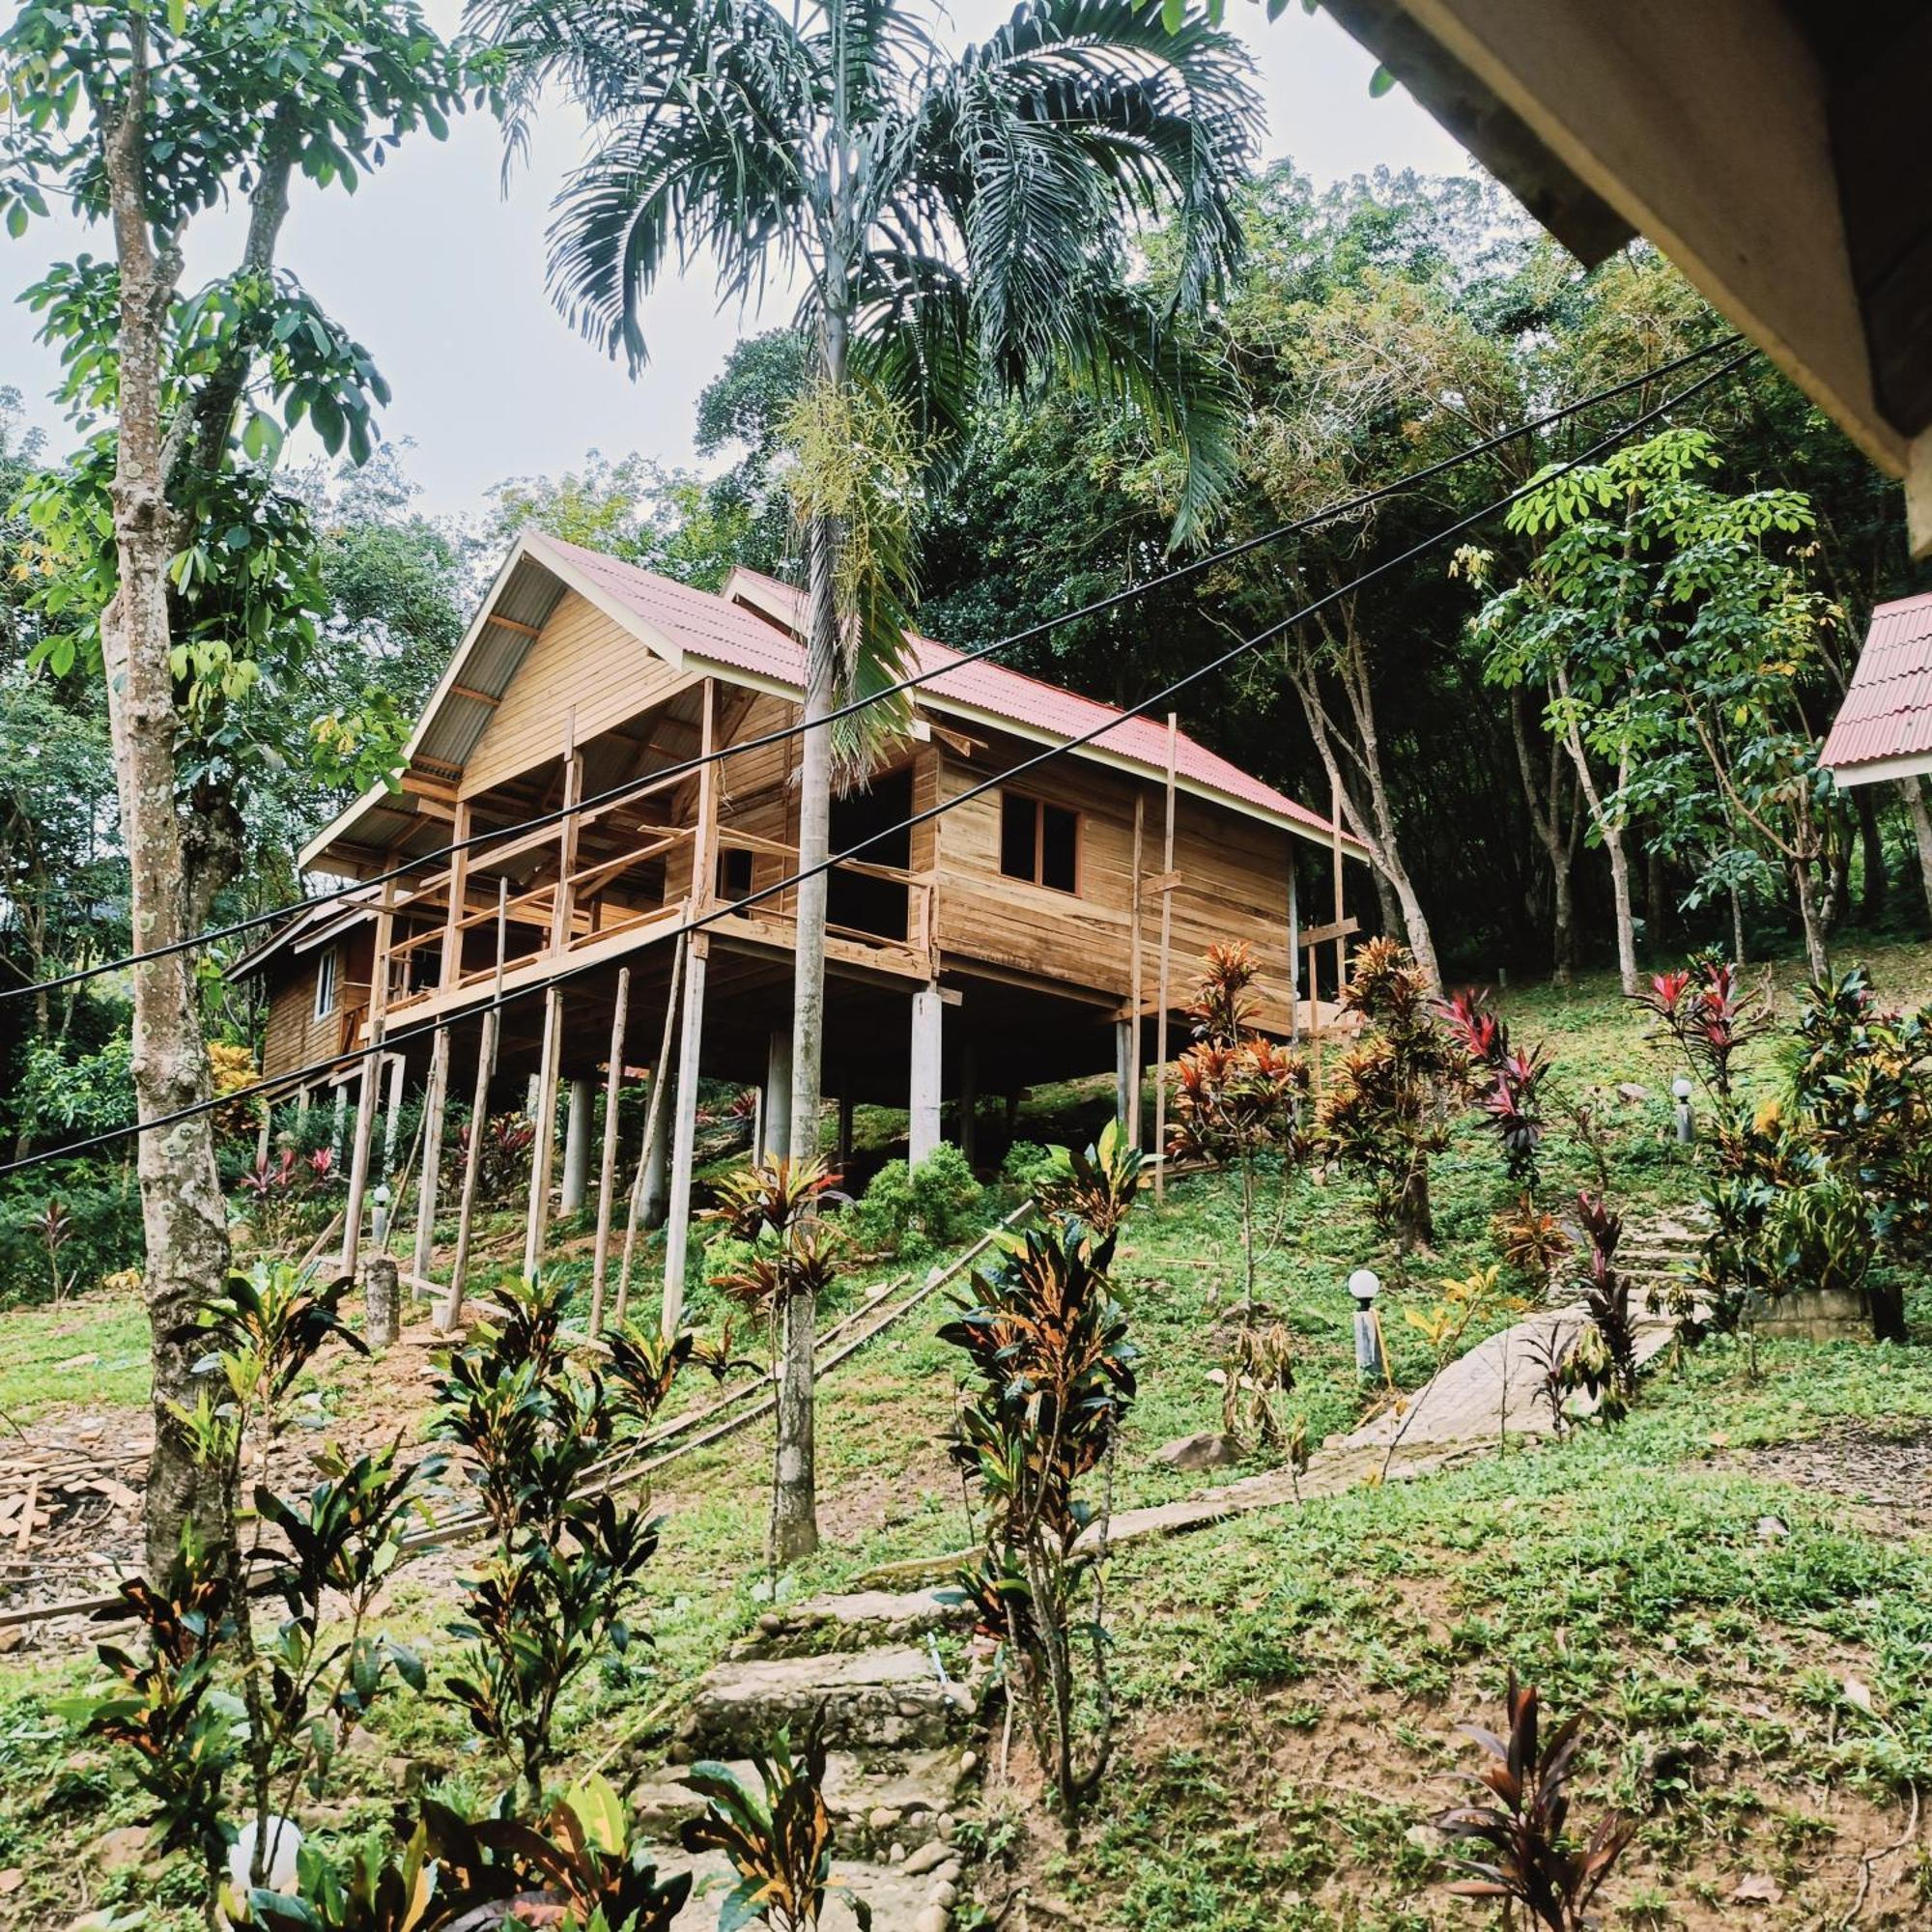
x=1875 y=771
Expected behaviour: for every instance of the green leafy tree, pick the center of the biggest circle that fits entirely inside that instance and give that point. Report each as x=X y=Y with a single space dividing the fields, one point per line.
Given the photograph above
x=958 y=221
x=174 y=554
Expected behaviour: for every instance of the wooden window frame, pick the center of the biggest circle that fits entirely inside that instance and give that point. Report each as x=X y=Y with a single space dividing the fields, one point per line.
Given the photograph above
x=328 y=981
x=1041 y=803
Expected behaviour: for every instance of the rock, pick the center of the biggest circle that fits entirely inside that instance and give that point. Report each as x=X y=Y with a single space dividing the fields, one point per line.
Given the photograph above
x=930 y=1856
x=934 y=1919
x=944 y=1893
x=897 y=1855
x=1208 y=1451
x=1760 y=1889
x=969 y=1762
x=886 y=1700
x=122 y=1848
x=770 y=1623
x=945 y=1824
x=948 y=1873
x=882 y=1818
x=1770 y=1529
x=1633 y=1092
x=1421 y=1835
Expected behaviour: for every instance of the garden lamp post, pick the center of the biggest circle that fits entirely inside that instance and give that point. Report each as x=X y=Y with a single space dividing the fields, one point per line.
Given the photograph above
x=1365 y=1285
x=1687 y=1128
x=379 y=1216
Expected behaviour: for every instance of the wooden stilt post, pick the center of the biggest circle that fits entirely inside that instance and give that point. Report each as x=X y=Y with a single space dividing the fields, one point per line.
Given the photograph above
x=1134 y=947
x=452 y=1312
x=654 y=1129
x=542 y=1149
x=436 y=1099
x=392 y=1114
x=372 y=1068
x=606 y=1173
x=1294 y=950
x=1340 y=917
x=1166 y=937
x=684 y=1132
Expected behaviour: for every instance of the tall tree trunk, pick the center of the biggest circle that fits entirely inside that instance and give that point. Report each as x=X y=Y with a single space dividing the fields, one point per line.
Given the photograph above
x=182 y=1215
x=1876 y=885
x=794 y=1490
x=1610 y=830
x=1922 y=831
x=1558 y=843
x=1816 y=960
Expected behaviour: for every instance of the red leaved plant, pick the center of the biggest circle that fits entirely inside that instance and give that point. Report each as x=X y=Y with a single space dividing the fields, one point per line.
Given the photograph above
x=1526 y=1858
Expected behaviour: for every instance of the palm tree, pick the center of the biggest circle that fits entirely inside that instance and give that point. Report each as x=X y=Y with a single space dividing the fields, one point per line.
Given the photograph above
x=959 y=222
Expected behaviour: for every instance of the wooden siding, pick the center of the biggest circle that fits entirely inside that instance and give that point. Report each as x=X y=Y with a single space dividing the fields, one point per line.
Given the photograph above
x=293 y=1036
x=581 y=663
x=1233 y=886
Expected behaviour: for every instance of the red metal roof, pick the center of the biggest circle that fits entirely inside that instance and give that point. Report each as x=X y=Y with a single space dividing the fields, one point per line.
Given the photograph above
x=1887 y=715
x=732 y=634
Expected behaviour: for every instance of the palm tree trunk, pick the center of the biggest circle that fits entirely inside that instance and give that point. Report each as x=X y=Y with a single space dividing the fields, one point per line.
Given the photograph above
x=794 y=1492
x=183 y=1220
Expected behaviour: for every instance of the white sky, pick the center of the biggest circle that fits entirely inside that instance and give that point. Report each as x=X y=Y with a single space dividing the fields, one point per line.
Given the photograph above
x=442 y=276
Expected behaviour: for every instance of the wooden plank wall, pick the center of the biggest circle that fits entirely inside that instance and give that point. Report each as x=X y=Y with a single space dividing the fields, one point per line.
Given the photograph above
x=293 y=1036
x=1234 y=884
x=582 y=661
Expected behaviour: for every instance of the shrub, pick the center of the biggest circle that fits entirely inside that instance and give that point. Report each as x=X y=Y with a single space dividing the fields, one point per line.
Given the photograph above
x=910 y=1211
x=1026 y=1165
x=102 y=1237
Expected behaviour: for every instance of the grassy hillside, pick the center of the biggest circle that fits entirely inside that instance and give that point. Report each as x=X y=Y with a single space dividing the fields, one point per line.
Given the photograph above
x=1736 y=1582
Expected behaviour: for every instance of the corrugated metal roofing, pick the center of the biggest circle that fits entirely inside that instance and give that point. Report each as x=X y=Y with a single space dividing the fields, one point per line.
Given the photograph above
x=729 y=634
x=1887 y=715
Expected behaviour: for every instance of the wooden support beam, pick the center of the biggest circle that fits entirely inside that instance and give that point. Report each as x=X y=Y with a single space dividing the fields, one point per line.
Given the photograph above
x=372 y=1066
x=684 y=1132
x=607 y=1172
x=1165 y=938
x=514 y=624
x=1325 y=935
x=1134 y=966
x=452 y=1312
x=650 y=1157
x=543 y=1149
x=475 y=697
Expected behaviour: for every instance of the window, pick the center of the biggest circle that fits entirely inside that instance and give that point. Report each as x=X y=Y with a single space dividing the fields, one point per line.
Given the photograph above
x=734 y=873
x=1039 y=841
x=325 y=984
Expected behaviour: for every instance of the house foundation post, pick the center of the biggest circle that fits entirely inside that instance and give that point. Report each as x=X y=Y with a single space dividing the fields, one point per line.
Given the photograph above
x=775 y=1103
x=684 y=1135
x=542 y=1149
x=1127 y=1070
x=927 y=1034
x=577 y=1146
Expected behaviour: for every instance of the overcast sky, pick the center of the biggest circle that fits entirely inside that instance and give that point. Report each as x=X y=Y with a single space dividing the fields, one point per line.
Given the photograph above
x=441 y=274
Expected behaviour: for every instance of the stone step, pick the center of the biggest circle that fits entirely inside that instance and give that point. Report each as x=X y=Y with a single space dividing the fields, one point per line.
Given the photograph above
x=863 y=1620
x=900 y=1800
x=873 y=1700
x=902 y=1899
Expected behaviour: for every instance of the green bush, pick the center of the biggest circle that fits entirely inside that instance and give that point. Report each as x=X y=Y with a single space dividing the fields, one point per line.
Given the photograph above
x=1027 y=1164
x=105 y=1236
x=911 y=1211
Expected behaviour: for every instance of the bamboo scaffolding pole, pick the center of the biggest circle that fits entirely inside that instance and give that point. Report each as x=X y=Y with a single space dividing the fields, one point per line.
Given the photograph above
x=654 y=1115
x=614 y=1084
x=452 y=1312
x=371 y=1069
x=436 y=1099
x=1134 y=973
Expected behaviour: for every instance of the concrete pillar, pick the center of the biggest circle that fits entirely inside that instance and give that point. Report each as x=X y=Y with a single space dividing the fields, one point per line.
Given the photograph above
x=575 y=1147
x=775 y=1103
x=922 y=1122
x=684 y=1135
x=532 y=1094
x=1126 y=1067
x=393 y=1119
x=341 y=1119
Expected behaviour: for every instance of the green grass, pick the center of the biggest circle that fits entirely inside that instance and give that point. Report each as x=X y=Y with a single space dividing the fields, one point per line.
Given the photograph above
x=1289 y=1682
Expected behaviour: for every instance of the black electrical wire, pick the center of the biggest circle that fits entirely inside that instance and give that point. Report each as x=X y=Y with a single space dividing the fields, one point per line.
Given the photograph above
x=390 y=1041
x=616 y=794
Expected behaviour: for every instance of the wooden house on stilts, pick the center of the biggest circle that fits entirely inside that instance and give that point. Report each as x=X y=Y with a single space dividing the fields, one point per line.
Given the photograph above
x=1030 y=933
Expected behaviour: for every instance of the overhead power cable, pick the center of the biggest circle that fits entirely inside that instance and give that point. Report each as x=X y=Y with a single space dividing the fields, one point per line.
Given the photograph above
x=1113 y=600
x=404 y=1036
